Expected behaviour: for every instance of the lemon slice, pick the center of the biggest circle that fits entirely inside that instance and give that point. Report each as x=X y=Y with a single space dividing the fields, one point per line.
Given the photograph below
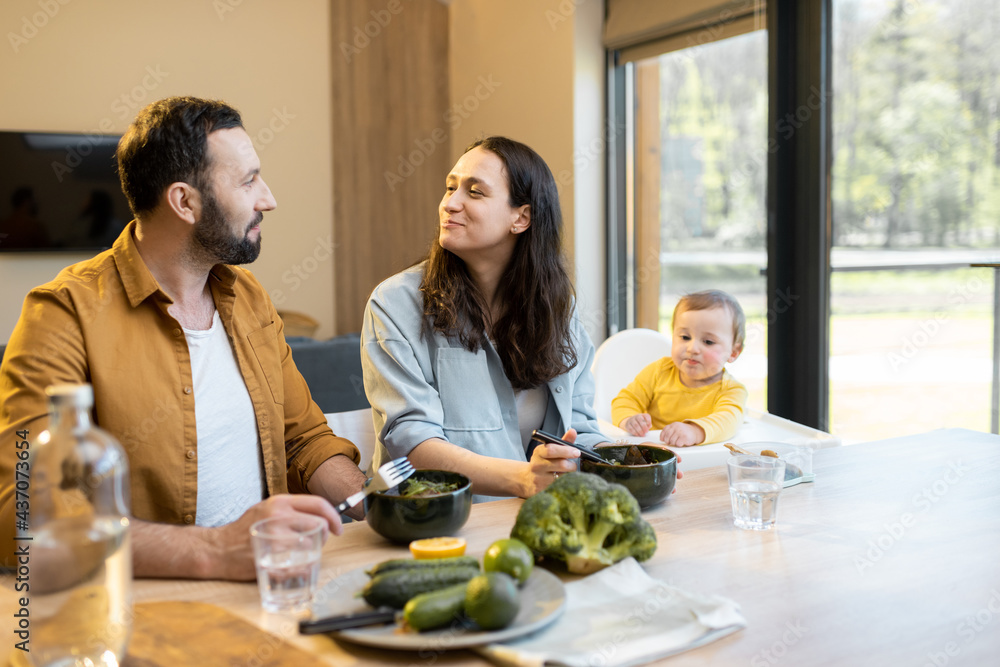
x=438 y=547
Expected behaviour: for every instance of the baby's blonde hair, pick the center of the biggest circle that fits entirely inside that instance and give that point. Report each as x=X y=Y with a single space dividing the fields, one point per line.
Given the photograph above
x=715 y=298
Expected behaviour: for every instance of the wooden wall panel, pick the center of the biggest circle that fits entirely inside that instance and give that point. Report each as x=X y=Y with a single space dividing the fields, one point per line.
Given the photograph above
x=647 y=198
x=391 y=141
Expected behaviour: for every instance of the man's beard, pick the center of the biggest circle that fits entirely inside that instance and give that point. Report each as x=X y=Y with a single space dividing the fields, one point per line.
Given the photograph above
x=213 y=234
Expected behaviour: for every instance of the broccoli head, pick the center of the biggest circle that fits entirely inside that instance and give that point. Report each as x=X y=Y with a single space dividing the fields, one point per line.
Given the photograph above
x=585 y=522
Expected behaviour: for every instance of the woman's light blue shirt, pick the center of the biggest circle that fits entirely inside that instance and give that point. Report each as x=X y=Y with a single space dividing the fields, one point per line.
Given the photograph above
x=432 y=387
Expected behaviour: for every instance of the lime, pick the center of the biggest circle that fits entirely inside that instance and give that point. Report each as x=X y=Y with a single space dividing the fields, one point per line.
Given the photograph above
x=438 y=547
x=491 y=600
x=511 y=556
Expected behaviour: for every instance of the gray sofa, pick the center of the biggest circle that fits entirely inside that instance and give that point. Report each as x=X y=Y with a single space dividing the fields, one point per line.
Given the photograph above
x=332 y=369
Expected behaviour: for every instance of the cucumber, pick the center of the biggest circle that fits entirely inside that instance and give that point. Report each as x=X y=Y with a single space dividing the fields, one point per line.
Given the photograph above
x=422 y=564
x=395 y=587
x=432 y=610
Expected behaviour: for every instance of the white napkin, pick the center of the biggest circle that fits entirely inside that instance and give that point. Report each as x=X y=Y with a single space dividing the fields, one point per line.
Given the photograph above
x=622 y=616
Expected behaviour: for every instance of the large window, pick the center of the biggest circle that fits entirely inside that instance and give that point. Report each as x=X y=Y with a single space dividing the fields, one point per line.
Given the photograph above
x=915 y=200
x=701 y=167
x=916 y=185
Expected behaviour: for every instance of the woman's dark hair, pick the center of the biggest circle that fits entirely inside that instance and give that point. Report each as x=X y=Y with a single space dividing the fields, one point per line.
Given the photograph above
x=168 y=143
x=535 y=295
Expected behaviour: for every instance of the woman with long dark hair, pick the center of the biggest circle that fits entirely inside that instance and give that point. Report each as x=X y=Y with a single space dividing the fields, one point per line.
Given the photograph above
x=467 y=352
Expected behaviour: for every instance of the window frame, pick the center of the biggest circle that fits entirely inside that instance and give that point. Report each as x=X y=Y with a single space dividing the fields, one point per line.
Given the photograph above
x=798 y=208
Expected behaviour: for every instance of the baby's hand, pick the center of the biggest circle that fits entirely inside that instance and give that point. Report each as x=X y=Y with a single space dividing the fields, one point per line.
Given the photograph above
x=682 y=434
x=637 y=424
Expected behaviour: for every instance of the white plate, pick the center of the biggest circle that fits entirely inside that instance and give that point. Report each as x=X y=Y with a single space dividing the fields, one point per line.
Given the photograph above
x=543 y=598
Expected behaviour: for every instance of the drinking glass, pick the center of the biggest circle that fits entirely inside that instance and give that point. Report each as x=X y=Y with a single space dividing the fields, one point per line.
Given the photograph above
x=754 y=485
x=287 y=552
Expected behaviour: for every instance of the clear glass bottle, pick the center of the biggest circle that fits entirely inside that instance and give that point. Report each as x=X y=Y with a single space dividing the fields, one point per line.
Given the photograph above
x=78 y=525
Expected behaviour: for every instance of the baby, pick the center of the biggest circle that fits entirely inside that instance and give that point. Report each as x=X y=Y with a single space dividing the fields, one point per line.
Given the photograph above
x=690 y=395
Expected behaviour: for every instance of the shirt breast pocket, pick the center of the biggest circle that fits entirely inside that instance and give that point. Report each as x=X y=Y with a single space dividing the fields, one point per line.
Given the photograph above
x=265 y=348
x=468 y=398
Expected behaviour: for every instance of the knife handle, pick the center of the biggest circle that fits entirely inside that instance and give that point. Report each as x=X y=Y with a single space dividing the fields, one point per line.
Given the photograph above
x=347 y=621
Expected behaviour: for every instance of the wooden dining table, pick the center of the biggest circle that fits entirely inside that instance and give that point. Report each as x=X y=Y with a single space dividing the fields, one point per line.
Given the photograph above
x=891 y=557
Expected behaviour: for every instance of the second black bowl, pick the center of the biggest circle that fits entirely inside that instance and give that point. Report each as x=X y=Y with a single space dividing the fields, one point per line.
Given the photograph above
x=402 y=520
x=650 y=483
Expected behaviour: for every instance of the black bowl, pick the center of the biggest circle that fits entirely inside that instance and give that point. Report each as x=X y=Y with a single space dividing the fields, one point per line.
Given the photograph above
x=403 y=520
x=650 y=483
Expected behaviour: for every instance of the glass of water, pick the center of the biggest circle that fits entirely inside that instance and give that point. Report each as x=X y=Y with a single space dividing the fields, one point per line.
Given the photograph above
x=754 y=485
x=287 y=551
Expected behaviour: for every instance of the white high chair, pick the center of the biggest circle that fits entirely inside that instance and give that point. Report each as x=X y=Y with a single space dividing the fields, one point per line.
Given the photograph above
x=619 y=359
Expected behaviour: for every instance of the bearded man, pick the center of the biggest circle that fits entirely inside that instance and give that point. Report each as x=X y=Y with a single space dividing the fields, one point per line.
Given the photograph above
x=186 y=355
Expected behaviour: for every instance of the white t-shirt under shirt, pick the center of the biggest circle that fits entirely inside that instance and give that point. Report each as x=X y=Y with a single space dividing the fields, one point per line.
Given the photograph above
x=531 y=406
x=230 y=462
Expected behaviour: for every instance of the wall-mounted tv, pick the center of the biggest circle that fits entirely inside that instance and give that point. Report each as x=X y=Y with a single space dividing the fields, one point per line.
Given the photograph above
x=59 y=192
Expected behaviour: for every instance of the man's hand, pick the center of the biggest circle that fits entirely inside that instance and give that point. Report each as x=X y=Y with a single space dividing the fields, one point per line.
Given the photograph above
x=637 y=425
x=682 y=434
x=196 y=552
x=337 y=478
x=234 y=555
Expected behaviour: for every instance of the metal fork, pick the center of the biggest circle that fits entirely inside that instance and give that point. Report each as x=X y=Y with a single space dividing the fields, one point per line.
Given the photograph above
x=388 y=475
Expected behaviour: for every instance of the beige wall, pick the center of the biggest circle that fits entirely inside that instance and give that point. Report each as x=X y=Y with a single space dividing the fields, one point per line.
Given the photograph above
x=534 y=70
x=511 y=73
x=93 y=63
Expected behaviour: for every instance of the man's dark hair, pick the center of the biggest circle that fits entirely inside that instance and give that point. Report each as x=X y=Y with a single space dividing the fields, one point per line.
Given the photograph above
x=168 y=143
